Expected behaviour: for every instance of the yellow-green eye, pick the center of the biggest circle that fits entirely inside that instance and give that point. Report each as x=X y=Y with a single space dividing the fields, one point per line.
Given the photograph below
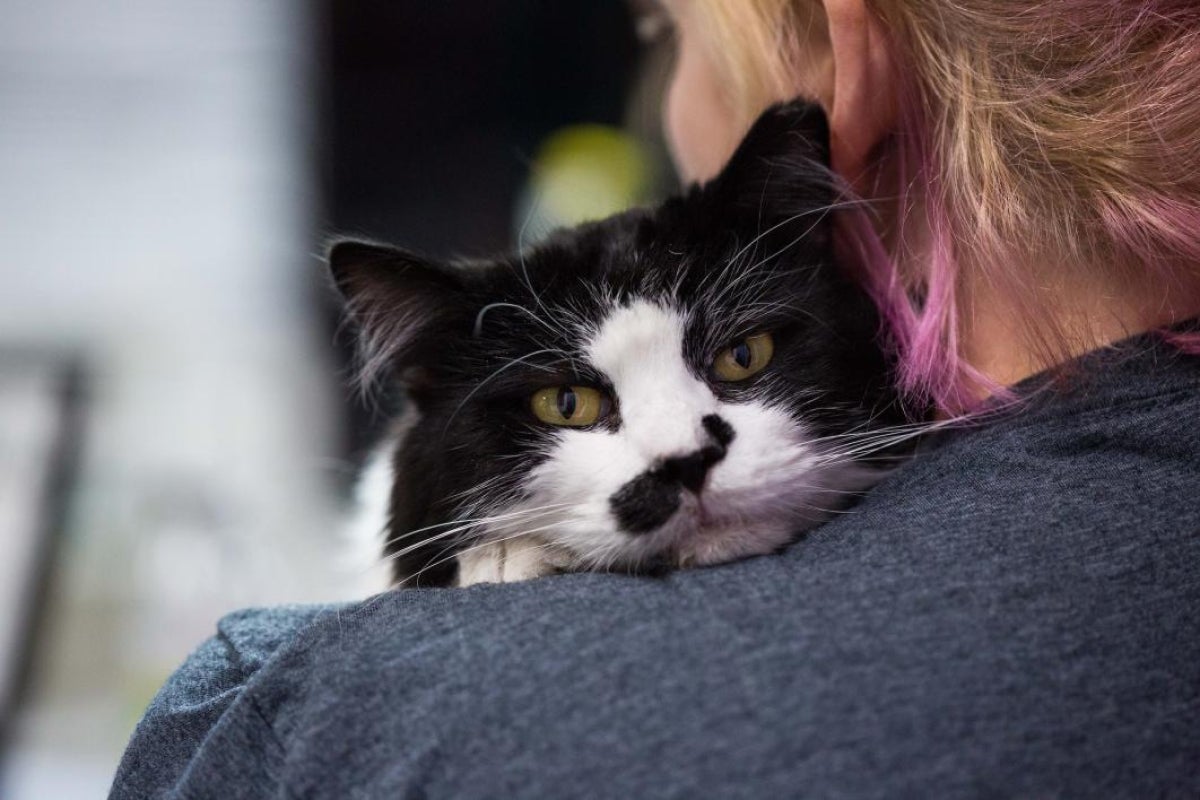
x=744 y=359
x=572 y=406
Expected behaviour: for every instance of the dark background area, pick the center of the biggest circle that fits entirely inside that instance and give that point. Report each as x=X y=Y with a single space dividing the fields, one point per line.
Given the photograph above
x=430 y=112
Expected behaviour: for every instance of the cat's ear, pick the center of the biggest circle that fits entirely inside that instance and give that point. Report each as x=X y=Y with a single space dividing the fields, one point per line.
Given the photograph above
x=794 y=130
x=780 y=169
x=404 y=305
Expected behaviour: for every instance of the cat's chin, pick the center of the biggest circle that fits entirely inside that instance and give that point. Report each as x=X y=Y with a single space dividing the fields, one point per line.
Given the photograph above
x=701 y=534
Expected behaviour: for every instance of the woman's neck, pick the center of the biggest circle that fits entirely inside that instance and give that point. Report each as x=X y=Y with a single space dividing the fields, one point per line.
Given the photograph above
x=1001 y=343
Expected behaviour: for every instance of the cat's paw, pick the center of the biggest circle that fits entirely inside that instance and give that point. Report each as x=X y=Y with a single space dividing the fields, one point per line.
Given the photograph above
x=508 y=561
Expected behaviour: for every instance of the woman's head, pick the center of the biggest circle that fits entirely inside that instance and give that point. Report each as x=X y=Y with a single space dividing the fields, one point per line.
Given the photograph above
x=1025 y=158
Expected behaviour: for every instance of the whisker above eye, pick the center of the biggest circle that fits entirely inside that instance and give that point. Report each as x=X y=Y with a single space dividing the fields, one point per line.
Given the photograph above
x=511 y=363
x=532 y=315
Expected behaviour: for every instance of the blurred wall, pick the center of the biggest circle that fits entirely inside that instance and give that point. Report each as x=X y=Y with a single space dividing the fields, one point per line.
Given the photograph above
x=155 y=214
x=432 y=111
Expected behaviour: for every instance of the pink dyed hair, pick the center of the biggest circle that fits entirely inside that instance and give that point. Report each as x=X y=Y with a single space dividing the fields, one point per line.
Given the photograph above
x=1055 y=133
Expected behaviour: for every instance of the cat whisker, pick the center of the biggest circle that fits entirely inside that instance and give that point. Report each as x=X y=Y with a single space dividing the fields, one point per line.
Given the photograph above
x=867 y=442
x=512 y=363
x=533 y=205
x=750 y=271
x=732 y=262
x=479 y=318
x=462 y=524
x=479 y=487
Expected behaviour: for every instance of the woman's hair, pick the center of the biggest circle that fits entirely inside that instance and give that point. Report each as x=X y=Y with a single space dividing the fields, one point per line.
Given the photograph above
x=1041 y=145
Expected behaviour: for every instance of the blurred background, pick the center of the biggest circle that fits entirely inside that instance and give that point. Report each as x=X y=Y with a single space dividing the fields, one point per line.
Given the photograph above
x=176 y=436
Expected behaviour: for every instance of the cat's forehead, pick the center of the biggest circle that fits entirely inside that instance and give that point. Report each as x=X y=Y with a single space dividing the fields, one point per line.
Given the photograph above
x=592 y=272
x=590 y=298
x=641 y=332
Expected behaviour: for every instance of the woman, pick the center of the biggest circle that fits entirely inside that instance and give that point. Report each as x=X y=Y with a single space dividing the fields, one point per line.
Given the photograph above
x=1014 y=612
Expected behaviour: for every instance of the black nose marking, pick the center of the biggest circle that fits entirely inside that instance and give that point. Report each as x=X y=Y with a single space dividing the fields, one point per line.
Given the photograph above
x=649 y=500
x=645 y=503
x=688 y=471
x=720 y=430
x=691 y=470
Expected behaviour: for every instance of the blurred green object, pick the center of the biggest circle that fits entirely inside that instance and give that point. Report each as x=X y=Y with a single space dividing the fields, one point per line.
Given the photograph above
x=581 y=173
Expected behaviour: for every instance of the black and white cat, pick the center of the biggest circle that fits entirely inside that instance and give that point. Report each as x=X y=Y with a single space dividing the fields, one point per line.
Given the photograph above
x=674 y=386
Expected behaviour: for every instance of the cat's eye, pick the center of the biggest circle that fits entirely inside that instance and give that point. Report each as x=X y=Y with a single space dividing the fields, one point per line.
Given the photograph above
x=570 y=406
x=745 y=358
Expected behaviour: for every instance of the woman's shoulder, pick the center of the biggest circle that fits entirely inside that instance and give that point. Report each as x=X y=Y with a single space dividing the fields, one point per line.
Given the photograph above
x=1101 y=452
x=197 y=699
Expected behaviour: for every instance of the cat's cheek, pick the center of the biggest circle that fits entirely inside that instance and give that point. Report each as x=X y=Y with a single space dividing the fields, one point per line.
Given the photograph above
x=763 y=493
x=581 y=471
x=580 y=463
x=769 y=446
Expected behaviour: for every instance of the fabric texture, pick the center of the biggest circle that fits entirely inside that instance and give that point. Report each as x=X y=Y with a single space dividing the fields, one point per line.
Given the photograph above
x=1015 y=612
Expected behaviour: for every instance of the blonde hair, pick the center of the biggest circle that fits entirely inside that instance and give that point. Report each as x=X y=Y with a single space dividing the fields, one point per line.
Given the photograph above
x=1042 y=145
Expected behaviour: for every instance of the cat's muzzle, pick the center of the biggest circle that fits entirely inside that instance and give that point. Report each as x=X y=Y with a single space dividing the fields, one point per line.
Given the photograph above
x=649 y=500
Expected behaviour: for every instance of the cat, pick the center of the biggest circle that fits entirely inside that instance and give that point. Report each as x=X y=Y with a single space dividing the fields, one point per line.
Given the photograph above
x=673 y=386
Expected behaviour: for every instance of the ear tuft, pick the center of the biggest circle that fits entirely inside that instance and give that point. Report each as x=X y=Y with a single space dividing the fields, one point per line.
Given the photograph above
x=794 y=130
x=400 y=302
x=780 y=169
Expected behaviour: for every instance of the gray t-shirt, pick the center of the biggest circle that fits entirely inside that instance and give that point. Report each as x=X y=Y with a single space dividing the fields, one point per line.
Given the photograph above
x=1015 y=612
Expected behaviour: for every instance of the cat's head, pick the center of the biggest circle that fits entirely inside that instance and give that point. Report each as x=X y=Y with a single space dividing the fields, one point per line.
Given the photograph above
x=674 y=385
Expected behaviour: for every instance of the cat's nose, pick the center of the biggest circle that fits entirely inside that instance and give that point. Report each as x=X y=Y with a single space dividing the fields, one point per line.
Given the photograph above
x=652 y=498
x=690 y=471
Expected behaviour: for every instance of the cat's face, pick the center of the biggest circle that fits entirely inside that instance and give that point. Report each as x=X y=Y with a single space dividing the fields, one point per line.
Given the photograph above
x=706 y=448
x=671 y=386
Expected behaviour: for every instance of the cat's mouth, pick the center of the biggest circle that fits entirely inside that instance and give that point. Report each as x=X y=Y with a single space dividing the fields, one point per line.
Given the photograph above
x=701 y=532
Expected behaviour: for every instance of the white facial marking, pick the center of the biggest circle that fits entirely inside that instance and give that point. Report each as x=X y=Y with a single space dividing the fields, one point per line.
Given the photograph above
x=640 y=348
